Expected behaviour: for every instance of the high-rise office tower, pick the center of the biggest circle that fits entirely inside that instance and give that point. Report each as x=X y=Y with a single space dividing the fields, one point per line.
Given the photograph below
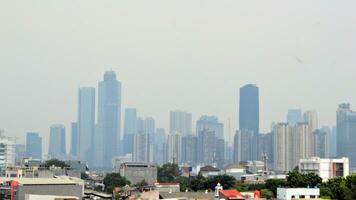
x=220 y=153
x=130 y=129
x=332 y=142
x=160 y=141
x=244 y=143
x=321 y=143
x=75 y=139
x=86 y=120
x=141 y=148
x=109 y=117
x=33 y=145
x=346 y=133
x=249 y=114
x=180 y=122
x=294 y=116
x=211 y=123
x=174 y=148
x=20 y=153
x=266 y=146
x=311 y=118
x=206 y=147
x=189 y=149
x=289 y=145
x=57 y=141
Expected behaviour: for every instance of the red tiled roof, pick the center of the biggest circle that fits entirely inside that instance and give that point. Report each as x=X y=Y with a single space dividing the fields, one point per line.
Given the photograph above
x=209 y=168
x=232 y=194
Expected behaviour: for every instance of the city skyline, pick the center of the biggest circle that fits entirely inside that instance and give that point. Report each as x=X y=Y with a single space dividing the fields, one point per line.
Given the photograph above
x=279 y=54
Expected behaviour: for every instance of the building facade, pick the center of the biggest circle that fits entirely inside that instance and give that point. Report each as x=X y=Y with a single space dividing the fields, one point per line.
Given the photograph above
x=109 y=119
x=74 y=141
x=86 y=123
x=249 y=114
x=33 y=145
x=180 y=122
x=211 y=123
x=57 y=141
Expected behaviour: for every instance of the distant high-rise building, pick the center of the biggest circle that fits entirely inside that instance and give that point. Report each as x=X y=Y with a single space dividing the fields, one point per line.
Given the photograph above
x=189 y=149
x=75 y=139
x=244 y=143
x=333 y=143
x=160 y=141
x=57 y=141
x=130 y=129
x=86 y=121
x=294 y=116
x=289 y=145
x=266 y=146
x=211 y=123
x=109 y=118
x=321 y=143
x=130 y=123
x=220 y=153
x=174 y=148
x=206 y=147
x=7 y=152
x=180 y=122
x=311 y=118
x=20 y=153
x=346 y=133
x=249 y=114
x=141 y=148
x=33 y=145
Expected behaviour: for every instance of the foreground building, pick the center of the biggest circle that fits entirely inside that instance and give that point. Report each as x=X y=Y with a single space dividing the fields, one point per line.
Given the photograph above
x=135 y=172
x=7 y=152
x=325 y=168
x=297 y=193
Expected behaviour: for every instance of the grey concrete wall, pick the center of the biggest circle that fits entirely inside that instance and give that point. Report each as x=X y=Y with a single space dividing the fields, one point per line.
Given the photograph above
x=60 y=190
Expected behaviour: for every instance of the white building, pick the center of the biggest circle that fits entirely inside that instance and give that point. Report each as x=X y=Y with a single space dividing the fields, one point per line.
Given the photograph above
x=325 y=168
x=297 y=193
x=7 y=152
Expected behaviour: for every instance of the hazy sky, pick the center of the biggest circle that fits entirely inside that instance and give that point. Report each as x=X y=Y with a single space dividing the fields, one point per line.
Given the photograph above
x=189 y=55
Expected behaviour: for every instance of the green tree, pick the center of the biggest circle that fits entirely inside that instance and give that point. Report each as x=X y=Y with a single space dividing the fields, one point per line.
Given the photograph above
x=56 y=163
x=197 y=183
x=350 y=191
x=113 y=180
x=334 y=188
x=142 y=183
x=184 y=183
x=168 y=172
x=265 y=193
x=226 y=181
x=296 y=179
x=273 y=184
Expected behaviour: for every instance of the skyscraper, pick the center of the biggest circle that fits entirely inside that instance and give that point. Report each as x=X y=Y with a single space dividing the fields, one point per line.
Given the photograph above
x=75 y=137
x=320 y=143
x=346 y=133
x=130 y=129
x=249 y=114
x=289 y=145
x=311 y=118
x=57 y=141
x=294 y=116
x=244 y=143
x=141 y=148
x=180 y=122
x=109 y=117
x=189 y=149
x=86 y=120
x=174 y=148
x=160 y=141
x=7 y=152
x=211 y=123
x=206 y=147
x=33 y=145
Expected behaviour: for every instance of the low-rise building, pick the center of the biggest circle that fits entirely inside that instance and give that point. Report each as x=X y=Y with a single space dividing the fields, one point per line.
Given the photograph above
x=19 y=188
x=297 y=193
x=209 y=170
x=326 y=168
x=167 y=187
x=135 y=172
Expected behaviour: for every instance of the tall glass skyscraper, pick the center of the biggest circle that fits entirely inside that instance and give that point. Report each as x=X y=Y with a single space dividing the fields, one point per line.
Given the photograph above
x=109 y=117
x=86 y=120
x=33 y=145
x=346 y=133
x=130 y=129
x=249 y=114
x=74 y=142
x=57 y=141
x=211 y=123
x=180 y=122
